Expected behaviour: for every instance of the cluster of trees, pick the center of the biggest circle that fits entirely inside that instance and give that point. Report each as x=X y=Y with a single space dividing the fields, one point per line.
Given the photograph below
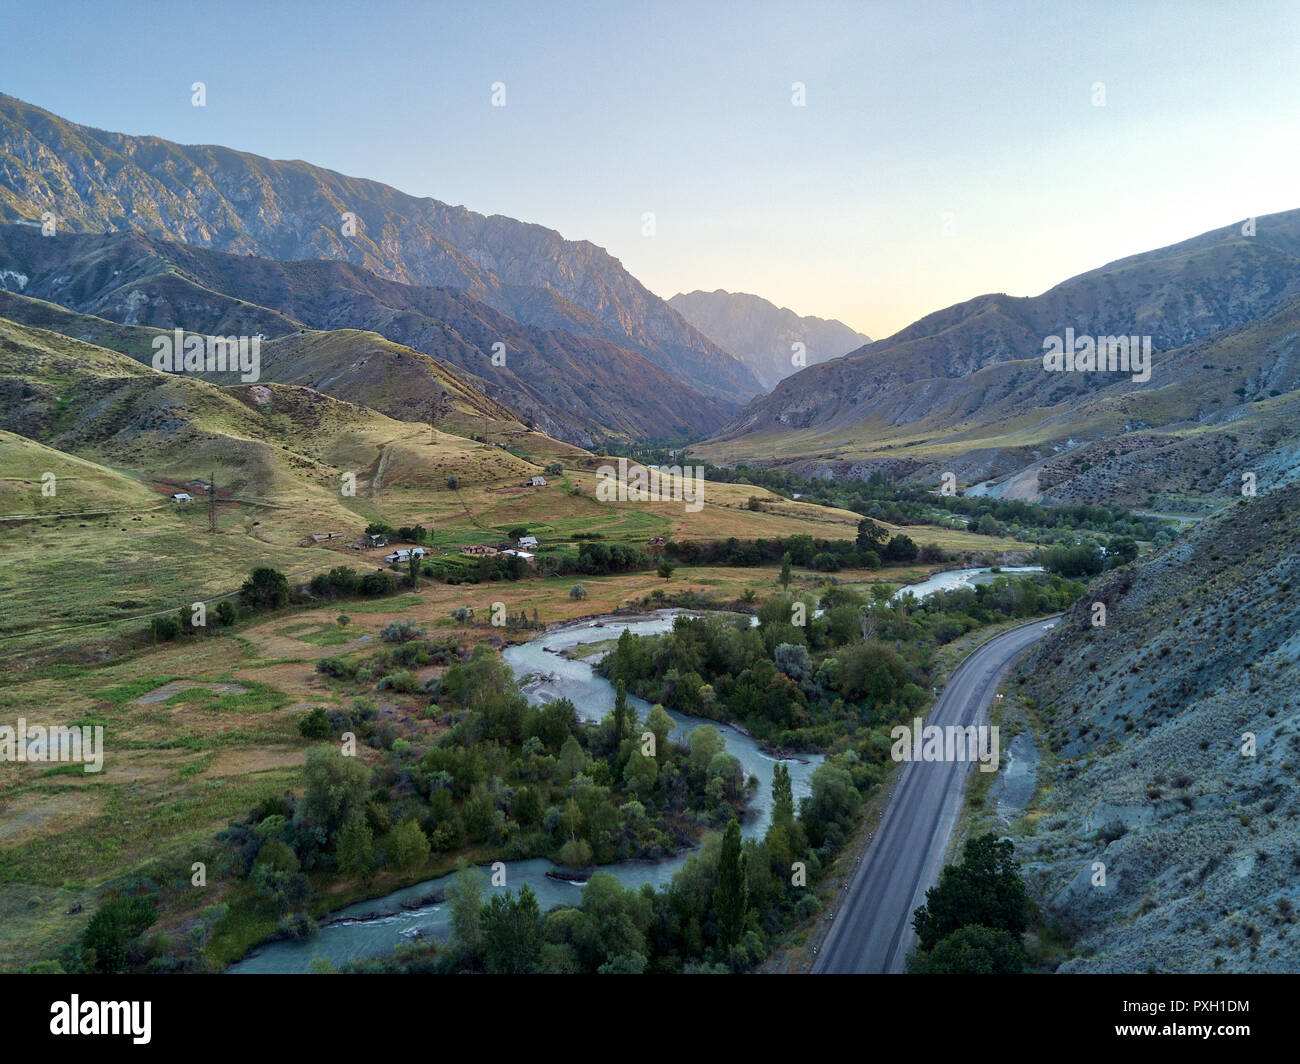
x=267 y=588
x=344 y=582
x=881 y=498
x=1088 y=558
x=973 y=918
x=802 y=679
x=533 y=780
x=417 y=533
x=731 y=900
x=871 y=549
x=476 y=569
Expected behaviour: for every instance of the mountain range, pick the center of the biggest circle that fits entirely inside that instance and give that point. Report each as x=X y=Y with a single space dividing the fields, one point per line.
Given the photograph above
x=964 y=390
x=763 y=335
x=576 y=388
x=566 y=342
x=95 y=181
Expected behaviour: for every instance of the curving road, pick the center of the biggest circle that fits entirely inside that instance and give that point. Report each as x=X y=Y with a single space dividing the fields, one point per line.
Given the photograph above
x=872 y=930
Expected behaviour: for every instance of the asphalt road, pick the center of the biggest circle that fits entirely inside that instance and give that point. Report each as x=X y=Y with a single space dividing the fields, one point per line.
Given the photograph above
x=872 y=928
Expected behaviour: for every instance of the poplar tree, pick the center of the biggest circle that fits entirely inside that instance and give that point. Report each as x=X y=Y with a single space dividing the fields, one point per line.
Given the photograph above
x=730 y=896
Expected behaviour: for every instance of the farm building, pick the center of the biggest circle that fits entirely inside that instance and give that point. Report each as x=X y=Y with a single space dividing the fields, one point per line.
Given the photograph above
x=404 y=554
x=526 y=542
x=182 y=496
x=535 y=482
x=318 y=537
x=478 y=548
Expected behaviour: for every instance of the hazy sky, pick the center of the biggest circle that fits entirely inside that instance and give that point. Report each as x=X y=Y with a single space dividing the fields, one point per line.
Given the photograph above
x=945 y=149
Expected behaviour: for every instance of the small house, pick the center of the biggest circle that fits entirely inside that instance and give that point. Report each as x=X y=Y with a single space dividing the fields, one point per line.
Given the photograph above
x=379 y=540
x=535 y=482
x=528 y=541
x=478 y=548
x=182 y=496
x=525 y=555
x=404 y=555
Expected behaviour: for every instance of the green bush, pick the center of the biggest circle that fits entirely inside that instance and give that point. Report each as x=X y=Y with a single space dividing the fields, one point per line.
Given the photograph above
x=314 y=724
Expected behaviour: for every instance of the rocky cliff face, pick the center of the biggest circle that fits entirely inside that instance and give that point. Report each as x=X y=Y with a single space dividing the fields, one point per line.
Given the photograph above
x=1150 y=768
x=763 y=335
x=215 y=197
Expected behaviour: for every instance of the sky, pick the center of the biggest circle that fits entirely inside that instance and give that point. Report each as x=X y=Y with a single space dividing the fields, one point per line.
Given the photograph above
x=942 y=150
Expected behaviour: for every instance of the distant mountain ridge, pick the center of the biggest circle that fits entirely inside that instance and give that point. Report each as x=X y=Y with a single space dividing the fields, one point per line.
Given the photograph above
x=763 y=335
x=576 y=388
x=211 y=196
x=964 y=389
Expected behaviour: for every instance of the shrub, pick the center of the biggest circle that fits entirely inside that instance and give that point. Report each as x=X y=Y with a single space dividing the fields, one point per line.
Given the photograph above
x=401 y=631
x=401 y=681
x=377 y=583
x=336 y=667
x=113 y=928
x=314 y=724
x=577 y=592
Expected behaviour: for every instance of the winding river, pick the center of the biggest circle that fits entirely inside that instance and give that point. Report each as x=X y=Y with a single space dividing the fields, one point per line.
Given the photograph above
x=376 y=927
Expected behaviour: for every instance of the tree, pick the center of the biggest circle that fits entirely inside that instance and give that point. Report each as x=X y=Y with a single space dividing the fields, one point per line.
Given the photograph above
x=408 y=848
x=706 y=742
x=730 y=896
x=113 y=928
x=662 y=725
x=337 y=786
x=900 y=549
x=1121 y=551
x=576 y=853
x=512 y=933
x=785 y=570
x=226 y=614
x=453 y=483
x=793 y=660
x=314 y=724
x=265 y=588
x=465 y=896
x=573 y=759
x=985 y=888
x=971 y=950
x=665 y=569
x=620 y=711
x=640 y=773
x=577 y=592
x=782 y=797
x=356 y=849
x=413 y=569
x=871 y=536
